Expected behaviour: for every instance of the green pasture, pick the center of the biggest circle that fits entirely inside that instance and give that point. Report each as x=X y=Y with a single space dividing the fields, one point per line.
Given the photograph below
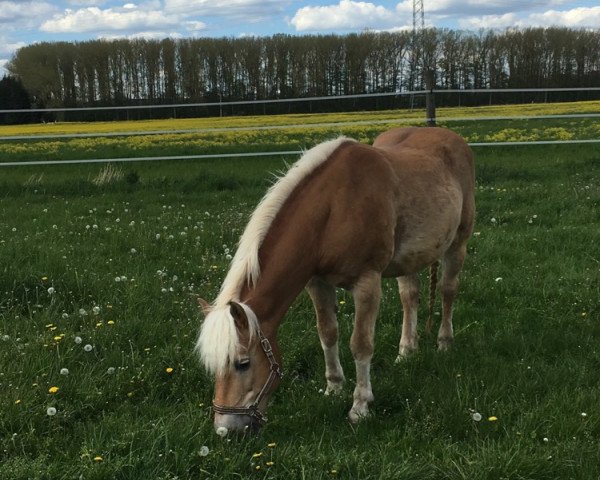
x=101 y=267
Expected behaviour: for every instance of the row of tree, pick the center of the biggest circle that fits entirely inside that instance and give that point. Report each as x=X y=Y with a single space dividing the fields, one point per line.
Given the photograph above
x=132 y=71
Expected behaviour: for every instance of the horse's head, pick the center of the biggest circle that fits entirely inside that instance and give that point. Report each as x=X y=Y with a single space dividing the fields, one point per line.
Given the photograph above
x=245 y=363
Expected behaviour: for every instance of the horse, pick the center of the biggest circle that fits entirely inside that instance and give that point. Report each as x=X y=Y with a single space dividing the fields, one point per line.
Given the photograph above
x=346 y=214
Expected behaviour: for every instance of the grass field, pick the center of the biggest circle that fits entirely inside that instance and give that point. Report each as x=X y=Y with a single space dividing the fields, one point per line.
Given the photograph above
x=98 y=318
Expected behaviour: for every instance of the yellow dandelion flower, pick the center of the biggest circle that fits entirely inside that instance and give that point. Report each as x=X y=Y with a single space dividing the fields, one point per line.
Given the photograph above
x=169 y=370
x=98 y=459
x=17 y=402
x=53 y=389
x=130 y=394
x=44 y=279
x=492 y=419
x=257 y=455
x=257 y=468
x=110 y=322
x=99 y=324
x=270 y=464
x=272 y=445
x=58 y=338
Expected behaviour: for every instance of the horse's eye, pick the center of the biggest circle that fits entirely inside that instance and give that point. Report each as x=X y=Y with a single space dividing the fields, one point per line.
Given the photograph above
x=242 y=365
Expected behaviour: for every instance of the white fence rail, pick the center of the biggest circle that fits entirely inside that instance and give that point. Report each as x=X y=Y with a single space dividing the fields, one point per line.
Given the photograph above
x=10 y=138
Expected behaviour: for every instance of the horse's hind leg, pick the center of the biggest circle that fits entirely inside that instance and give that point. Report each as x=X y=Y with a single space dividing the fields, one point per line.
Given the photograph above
x=367 y=295
x=452 y=265
x=324 y=300
x=409 y=287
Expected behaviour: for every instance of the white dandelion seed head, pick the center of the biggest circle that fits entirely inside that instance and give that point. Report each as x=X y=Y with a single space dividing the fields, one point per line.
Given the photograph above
x=96 y=310
x=476 y=416
x=82 y=312
x=88 y=348
x=78 y=340
x=51 y=290
x=51 y=411
x=64 y=371
x=204 y=451
x=222 y=431
x=110 y=370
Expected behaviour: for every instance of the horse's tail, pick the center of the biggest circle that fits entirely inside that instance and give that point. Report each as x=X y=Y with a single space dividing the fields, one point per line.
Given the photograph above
x=433 y=269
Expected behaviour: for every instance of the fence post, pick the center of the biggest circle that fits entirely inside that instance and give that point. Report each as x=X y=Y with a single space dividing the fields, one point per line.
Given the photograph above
x=429 y=97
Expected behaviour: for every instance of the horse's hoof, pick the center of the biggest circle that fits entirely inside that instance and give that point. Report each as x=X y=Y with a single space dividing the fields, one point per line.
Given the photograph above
x=405 y=352
x=356 y=415
x=444 y=343
x=334 y=388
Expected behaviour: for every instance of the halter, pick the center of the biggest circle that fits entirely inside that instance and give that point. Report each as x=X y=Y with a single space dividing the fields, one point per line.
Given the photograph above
x=274 y=372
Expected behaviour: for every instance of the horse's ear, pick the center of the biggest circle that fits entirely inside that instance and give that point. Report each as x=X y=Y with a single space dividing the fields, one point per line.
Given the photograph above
x=239 y=315
x=204 y=306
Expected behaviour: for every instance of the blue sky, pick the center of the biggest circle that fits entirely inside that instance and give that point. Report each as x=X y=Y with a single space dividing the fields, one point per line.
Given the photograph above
x=23 y=22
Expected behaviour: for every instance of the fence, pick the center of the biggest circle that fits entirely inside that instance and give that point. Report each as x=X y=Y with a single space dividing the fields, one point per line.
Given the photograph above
x=430 y=120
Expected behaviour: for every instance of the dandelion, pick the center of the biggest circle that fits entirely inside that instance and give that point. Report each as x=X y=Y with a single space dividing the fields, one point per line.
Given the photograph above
x=110 y=370
x=222 y=431
x=51 y=291
x=78 y=340
x=51 y=411
x=110 y=322
x=65 y=316
x=17 y=402
x=44 y=279
x=53 y=390
x=583 y=414
x=476 y=416
x=545 y=439
x=58 y=338
x=98 y=459
x=493 y=220
x=257 y=455
x=498 y=279
x=204 y=451
x=270 y=464
x=272 y=445
x=169 y=370
x=82 y=312
x=492 y=419
x=64 y=371
x=87 y=348
x=96 y=310
x=133 y=251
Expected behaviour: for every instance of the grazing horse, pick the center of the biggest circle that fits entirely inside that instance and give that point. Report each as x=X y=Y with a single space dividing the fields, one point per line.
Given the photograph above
x=345 y=215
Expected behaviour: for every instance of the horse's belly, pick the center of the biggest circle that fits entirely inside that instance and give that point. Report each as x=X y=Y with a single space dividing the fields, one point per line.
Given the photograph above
x=423 y=245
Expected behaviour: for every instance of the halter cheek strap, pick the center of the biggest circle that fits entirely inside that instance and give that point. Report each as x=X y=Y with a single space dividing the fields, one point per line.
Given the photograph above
x=274 y=372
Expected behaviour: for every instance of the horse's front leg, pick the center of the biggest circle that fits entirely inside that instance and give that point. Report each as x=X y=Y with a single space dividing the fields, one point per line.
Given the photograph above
x=325 y=303
x=367 y=295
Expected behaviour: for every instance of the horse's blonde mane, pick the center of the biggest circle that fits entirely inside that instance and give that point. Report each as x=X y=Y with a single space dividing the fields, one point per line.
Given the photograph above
x=218 y=339
x=245 y=266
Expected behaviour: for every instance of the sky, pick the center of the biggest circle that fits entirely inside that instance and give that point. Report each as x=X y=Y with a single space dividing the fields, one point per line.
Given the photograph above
x=23 y=22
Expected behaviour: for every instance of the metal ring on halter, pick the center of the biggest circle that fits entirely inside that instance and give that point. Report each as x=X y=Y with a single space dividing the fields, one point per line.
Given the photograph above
x=252 y=410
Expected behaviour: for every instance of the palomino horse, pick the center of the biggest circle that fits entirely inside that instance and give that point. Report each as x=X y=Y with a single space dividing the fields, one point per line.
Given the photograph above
x=345 y=215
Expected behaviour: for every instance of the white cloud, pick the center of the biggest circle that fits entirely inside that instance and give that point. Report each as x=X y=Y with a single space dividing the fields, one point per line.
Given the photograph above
x=346 y=15
x=575 y=18
x=29 y=13
x=93 y=19
x=250 y=9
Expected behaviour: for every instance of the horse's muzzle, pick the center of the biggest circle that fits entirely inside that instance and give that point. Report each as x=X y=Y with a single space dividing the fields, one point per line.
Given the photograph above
x=236 y=424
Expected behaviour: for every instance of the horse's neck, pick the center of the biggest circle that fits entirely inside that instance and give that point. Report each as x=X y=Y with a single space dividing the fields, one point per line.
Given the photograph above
x=287 y=264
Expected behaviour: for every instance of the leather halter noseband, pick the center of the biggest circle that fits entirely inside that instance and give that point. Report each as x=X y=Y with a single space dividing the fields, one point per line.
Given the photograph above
x=274 y=372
